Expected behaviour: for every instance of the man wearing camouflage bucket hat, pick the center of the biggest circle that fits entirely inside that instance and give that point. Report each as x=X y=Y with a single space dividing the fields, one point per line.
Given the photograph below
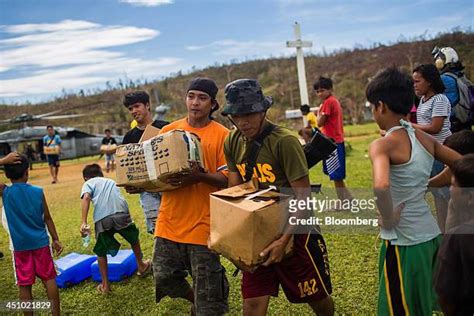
x=280 y=161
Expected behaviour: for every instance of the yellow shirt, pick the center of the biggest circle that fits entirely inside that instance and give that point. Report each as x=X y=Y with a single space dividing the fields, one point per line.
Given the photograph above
x=185 y=212
x=311 y=117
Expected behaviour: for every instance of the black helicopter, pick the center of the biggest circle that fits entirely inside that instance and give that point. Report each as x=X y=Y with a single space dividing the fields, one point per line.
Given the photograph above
x=75 y=143
x=29 y=140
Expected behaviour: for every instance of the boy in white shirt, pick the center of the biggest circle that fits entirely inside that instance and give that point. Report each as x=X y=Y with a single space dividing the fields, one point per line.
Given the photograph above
x=111 y=216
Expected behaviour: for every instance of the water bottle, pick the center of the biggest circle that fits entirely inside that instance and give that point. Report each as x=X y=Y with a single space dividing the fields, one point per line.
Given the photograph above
x=86 y=236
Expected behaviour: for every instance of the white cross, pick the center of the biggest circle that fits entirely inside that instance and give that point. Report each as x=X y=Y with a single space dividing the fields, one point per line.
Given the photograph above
x=299 y=44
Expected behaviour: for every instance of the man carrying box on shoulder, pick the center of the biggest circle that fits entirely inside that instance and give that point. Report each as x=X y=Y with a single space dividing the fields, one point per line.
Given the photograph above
x=52 y=150
x=138 y=104
x=183 y=228
x=280 y=161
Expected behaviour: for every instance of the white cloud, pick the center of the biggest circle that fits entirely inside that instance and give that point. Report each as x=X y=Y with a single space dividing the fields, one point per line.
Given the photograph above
x=147 y=3
x=47 y=27
x=82 y=75
x=237 y=49
x=72 y=54
x=67 y=42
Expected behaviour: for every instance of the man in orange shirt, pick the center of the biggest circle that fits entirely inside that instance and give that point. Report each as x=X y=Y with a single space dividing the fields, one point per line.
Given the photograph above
x=182 y=228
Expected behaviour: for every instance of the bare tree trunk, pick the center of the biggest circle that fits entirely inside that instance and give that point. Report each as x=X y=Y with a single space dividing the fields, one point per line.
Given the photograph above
x=228 y=71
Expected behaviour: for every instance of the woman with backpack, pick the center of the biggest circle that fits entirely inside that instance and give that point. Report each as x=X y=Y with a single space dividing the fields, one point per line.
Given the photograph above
x=457 y=88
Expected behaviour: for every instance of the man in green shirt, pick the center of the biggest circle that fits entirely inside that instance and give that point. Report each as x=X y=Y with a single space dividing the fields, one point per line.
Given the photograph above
x=304 y=276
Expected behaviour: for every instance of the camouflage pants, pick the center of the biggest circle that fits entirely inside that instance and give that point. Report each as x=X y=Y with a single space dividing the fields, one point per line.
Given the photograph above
x=171 y=263
x=150 y=220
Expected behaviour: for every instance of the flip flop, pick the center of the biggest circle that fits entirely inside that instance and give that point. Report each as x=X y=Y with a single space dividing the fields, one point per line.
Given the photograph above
x=147 y=270
x=101 y=290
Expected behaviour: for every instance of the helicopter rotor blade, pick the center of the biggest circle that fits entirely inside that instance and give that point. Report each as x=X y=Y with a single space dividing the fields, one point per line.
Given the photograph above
x=47 y=114
x=58 y=117
x=39 y=116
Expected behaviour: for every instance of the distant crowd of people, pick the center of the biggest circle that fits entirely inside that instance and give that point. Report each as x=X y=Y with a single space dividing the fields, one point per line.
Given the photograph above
x=425 y=263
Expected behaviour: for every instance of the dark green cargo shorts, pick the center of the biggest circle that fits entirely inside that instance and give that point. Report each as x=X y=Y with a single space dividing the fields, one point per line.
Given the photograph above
x=107 y=244
x=172 y=261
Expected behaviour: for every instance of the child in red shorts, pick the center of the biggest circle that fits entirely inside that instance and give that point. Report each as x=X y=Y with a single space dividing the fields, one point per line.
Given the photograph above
x=26 y=213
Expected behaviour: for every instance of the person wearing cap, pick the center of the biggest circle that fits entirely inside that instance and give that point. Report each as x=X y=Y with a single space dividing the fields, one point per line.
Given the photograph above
x=183 y=227
x=138 y=104
x=448 y=63
x=304 y=275
x=308 y=131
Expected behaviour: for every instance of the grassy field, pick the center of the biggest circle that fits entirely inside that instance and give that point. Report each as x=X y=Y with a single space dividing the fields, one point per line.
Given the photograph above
x=353 y=258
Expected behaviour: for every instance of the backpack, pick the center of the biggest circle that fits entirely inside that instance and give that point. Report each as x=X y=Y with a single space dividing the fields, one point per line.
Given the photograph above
x=320 y=148
x=464 y=109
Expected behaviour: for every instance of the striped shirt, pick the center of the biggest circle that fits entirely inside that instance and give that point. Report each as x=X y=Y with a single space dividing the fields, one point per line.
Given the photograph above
x=436 y=106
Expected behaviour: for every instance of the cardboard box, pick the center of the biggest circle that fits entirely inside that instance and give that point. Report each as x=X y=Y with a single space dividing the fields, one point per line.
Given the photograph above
x=52 y=150
x=245 y=220
x=108 y=149
x=149 y=164
x=149 y=132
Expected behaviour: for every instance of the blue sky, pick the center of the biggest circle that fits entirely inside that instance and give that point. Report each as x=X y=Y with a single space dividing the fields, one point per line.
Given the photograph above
x=50 y=45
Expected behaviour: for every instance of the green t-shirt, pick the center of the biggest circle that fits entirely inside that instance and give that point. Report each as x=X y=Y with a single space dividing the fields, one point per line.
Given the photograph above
x=280 y=161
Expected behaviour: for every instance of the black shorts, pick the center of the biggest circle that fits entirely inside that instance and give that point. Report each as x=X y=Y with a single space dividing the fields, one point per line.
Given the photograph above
x=53 y=160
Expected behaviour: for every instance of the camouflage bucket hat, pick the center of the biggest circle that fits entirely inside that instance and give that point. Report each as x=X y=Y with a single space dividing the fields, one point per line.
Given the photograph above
x=245 y=96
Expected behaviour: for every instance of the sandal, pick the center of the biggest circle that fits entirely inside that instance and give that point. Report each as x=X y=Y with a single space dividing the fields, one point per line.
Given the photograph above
x=101 y=290
x=147 y=270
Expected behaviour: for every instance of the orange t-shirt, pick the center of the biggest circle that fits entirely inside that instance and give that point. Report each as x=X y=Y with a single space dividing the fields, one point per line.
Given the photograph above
x=184 y=212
